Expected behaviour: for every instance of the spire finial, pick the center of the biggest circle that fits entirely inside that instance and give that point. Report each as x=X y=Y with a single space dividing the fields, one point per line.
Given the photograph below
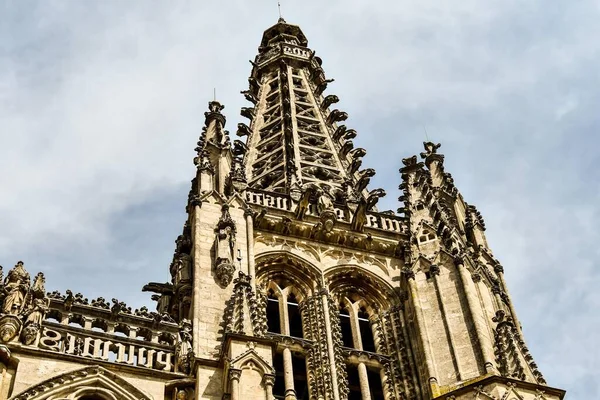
x=281 y=20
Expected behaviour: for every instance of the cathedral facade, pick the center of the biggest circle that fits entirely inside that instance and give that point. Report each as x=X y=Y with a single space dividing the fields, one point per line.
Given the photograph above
x=287 y=282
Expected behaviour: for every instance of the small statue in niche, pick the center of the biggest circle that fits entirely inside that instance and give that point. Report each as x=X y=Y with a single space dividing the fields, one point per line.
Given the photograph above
x=184 y=353
x=16 y=287
x=36 y=307
x=224 y=247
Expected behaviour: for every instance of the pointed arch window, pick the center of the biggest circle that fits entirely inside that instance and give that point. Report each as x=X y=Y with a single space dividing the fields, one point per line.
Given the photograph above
x=273 y=315
x=284 y=318
x=364 y=381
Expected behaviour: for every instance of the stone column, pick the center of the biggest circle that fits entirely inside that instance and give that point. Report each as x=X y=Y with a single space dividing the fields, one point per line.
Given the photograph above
x=288 y=375
x=234 y=379
x=325 y=299
x=421 y=326
x=476 y=314
x=363 y=378
x=384 y=386
x=269 y=382
x=250 y=239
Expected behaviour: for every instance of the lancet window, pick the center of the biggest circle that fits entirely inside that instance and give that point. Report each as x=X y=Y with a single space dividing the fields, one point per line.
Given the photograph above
x=364 y=377
x=284 y=319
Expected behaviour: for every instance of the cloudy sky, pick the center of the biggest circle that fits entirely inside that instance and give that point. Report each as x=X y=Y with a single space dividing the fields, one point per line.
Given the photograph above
x=101 y=105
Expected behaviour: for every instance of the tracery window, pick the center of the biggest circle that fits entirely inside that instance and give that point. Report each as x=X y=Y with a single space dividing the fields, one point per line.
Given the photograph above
x=284 y=320
x=364 y=379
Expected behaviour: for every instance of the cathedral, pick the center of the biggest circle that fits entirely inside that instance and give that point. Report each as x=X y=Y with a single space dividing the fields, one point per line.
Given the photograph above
x=287 y=282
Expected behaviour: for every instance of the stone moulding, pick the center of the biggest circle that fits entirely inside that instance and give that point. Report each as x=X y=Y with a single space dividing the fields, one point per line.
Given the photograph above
x=88 y=380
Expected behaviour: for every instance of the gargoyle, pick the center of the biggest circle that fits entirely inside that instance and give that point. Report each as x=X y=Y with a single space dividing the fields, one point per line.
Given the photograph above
x=247 y=112
x=329 y=100
x=364 y=179
x=339 y=132
x=355 y=165
x=360 y=215
x=346 y=148
x=350 y=134
x=336 y=116
x=239 y=148
x=243 y=130
x=249 y=96
x=357 y=153
x=321 y=86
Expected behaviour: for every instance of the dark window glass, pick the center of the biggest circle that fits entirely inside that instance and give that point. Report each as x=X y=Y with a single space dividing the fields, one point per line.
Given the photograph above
x=366 y=333
x=375 y=385
x=300 y=381
x=294 y=317
x=346 y=328
x=273 y=321
x=279 y=387
x=353 y=383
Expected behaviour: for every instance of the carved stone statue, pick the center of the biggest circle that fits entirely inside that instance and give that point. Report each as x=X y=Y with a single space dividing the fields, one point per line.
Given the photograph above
x=324 y=202
x=184 y=353
x=36 y=306
x=326 y=210
x=16 y=286
x=224 y=246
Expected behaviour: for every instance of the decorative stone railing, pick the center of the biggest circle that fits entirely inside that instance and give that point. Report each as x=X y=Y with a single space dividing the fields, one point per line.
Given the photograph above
x=103 y=346
x=95 y=329
x=375 y=220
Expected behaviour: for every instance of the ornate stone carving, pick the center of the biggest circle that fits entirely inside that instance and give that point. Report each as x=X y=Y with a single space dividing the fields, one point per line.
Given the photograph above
x=224 y=247
x=16 y=287
x=184 y=354
x=326 y=210
x=245 y=298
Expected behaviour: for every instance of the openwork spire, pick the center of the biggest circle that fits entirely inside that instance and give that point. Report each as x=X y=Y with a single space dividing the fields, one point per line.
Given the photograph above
x=295 y=141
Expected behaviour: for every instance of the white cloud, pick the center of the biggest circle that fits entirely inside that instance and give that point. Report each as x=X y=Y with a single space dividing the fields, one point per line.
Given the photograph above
x=101 y=104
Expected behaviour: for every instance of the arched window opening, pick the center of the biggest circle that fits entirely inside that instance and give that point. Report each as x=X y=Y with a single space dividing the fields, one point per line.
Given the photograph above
x=54 y=316
x=366 y=333
x=353 y=383
x=346 y=327
x=294 y=316
x=300 y=380
x=375 y=386
x=273 y=318
x=279 y=387
x=90 y=397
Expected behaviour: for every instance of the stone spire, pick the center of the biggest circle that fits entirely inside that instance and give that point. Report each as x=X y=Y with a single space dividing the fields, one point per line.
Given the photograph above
x=295 y=142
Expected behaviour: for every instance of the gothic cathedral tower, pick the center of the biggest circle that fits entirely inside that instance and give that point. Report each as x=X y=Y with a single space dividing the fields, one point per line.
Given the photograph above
x=287 y=282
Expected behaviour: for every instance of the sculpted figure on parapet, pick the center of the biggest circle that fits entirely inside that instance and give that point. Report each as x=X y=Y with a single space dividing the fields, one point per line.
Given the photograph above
x=16 y=286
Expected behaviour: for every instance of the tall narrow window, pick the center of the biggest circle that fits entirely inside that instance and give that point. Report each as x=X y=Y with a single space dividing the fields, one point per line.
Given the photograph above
x=375 y=385
x=346 y=326
x=353 y=383
x=273 y=319
x=294 y=316
x=366 y=333
x=300 y=380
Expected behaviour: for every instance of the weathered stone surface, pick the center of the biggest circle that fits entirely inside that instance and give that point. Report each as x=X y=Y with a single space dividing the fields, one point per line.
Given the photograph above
x=286 y=280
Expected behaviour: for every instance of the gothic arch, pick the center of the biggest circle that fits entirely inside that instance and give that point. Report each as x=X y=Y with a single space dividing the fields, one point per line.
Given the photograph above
x=73 y=385
x=352 y=280
x=300 y=272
